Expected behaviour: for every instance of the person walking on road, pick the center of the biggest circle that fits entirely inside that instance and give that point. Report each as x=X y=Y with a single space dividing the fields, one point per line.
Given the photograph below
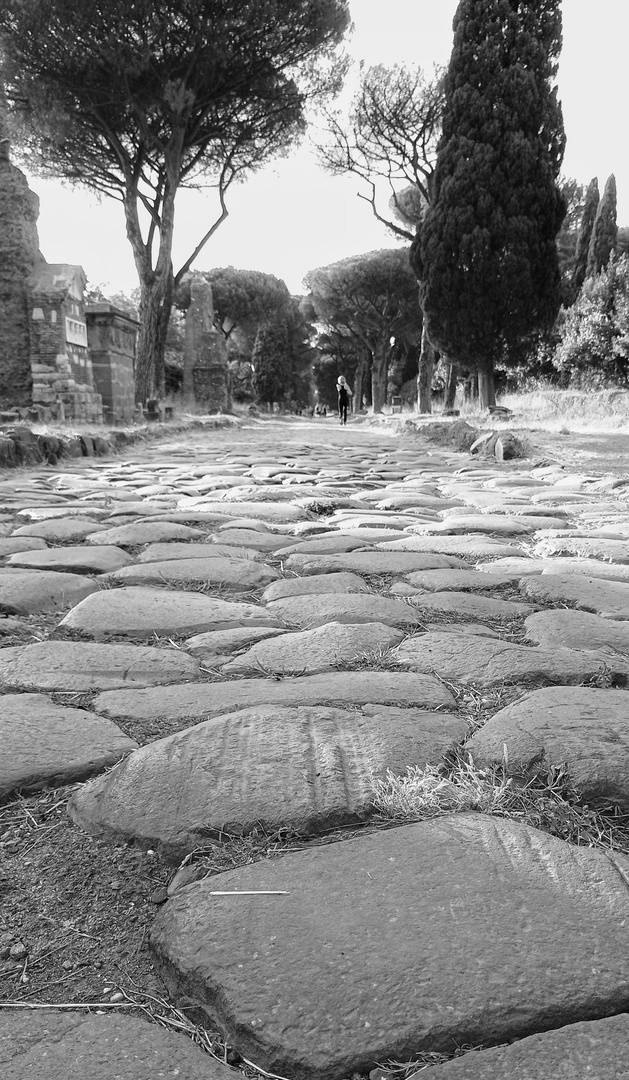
x=344 y=394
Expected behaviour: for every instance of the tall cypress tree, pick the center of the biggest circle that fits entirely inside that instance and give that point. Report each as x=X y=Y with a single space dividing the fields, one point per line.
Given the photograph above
x=604 y=232
x=486 y=257
x=592 y=199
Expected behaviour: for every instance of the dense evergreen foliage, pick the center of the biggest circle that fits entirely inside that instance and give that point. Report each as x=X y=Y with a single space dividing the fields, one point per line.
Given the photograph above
x=486 y=254
x=593 y=348
x=271 y=361
x=604 y=231
x=592 y=200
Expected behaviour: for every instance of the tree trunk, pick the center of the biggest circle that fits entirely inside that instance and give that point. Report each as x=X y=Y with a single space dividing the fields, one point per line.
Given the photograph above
x=379 y=372
x=156 y=301
x=424 y=375
x=486 y=391
x=357 y=400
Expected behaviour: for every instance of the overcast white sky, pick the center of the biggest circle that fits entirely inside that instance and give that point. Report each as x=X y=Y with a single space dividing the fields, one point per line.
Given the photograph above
x=294 y=217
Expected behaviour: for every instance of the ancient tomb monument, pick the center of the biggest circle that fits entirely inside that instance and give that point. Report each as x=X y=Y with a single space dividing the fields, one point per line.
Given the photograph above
x=205 y=373
x=58 y=357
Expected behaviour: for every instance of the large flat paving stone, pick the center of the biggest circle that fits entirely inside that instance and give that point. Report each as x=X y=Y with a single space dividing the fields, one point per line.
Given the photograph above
x=251 y=538
x=493 y=524
x=308 y=768
x=485 y=662
x=610 y=599
x=264 y=511
x=318 y=608
x=370 y=562
x=457 y=580
x=202 y=700
x=57 y=1045
x=145 y=532
x=576 y=629
x=56 y=530
x=468 y=603
x=339 y=544
x=592 y=1048
x=179 y=550
x=137 y=612
x=31 y=592
x=240 y=575
x=342 y=582
x=11 y=544
x=615 y=551
x=474 y=546
x=79 y=665
x=220 y=643
x=523 y=567
x=72 y=560
x=466 y=929
x=320 y=649
x=583 y=727
x=45 y=745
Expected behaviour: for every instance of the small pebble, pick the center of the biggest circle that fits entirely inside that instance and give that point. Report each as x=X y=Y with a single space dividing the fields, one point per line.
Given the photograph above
x=118 y=996
x=18 y=951
x=160 y=896
x=67 y=965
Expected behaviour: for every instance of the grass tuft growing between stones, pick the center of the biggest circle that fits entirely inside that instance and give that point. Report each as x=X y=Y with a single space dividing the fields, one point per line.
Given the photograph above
x=378 y=660
x=434 y=790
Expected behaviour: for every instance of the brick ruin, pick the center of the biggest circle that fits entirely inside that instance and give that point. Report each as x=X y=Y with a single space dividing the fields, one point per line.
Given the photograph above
x=59 y=359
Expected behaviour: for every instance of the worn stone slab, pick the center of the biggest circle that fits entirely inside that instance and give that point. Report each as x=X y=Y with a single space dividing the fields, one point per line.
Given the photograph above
x=489 y=663
x=316 y=609
x=238 y=574
x=468 y=603
x=264 y=511
x=145 y=532
x=474 y=546
x=342 y=582
x=493 y=524
x=306 y=768
x=46 y=745
x=49 y=1044
x=339 y=544
x=464 y=928
x=321 y=649
x=11 y=544
x=79 y=665
x=72 y=560
x=168 y=551
x=137 y=612
x=458 y=580
x=203 y=700
x=30 y=592
x=370 y=562
x=250 y=538
x=592 y=1048
x=61 y=529
x=219 y=643
x=68 y=509
x=574 y=629
x=607 y=598
x=586 y=729
x=616 y=551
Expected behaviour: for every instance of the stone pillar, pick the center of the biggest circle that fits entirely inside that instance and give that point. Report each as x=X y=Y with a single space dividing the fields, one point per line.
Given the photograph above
x=19 y=255
x=112 y=336
x=205 y=355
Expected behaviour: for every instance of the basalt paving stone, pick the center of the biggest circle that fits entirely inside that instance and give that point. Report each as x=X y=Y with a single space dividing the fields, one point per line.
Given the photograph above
x=459 y=580
x=11 y=544
x=140 y=612
x=147 y=532
x=371 y=562
x=321 y=649
x=493 y=524
x=490 y=663
x=607 y=598
x=72 y=560
x=468 y=603
x=315 y=609
x=616 y=551
x=239 y=575
x=558 y=565
x=323 y=583
x=203 y=700
x=168 y=551
x=307 y=768
x=585 y=729
x=250 y=538
x=31 y=592
x=57 y=1045
x=467 y=929
x=46 y=745
x=576 y=629
x=78 y=665
x=220 y=643
x=338 y=545
x=61 y=529
x=592 y=1048
x=262 y=510
x=34 y=514
x=471 y=547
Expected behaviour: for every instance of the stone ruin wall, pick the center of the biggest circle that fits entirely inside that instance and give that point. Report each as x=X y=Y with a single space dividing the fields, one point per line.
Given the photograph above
x=112 y=337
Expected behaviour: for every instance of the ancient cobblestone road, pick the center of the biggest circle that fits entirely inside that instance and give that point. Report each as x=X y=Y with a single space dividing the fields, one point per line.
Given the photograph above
x=312 y=610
